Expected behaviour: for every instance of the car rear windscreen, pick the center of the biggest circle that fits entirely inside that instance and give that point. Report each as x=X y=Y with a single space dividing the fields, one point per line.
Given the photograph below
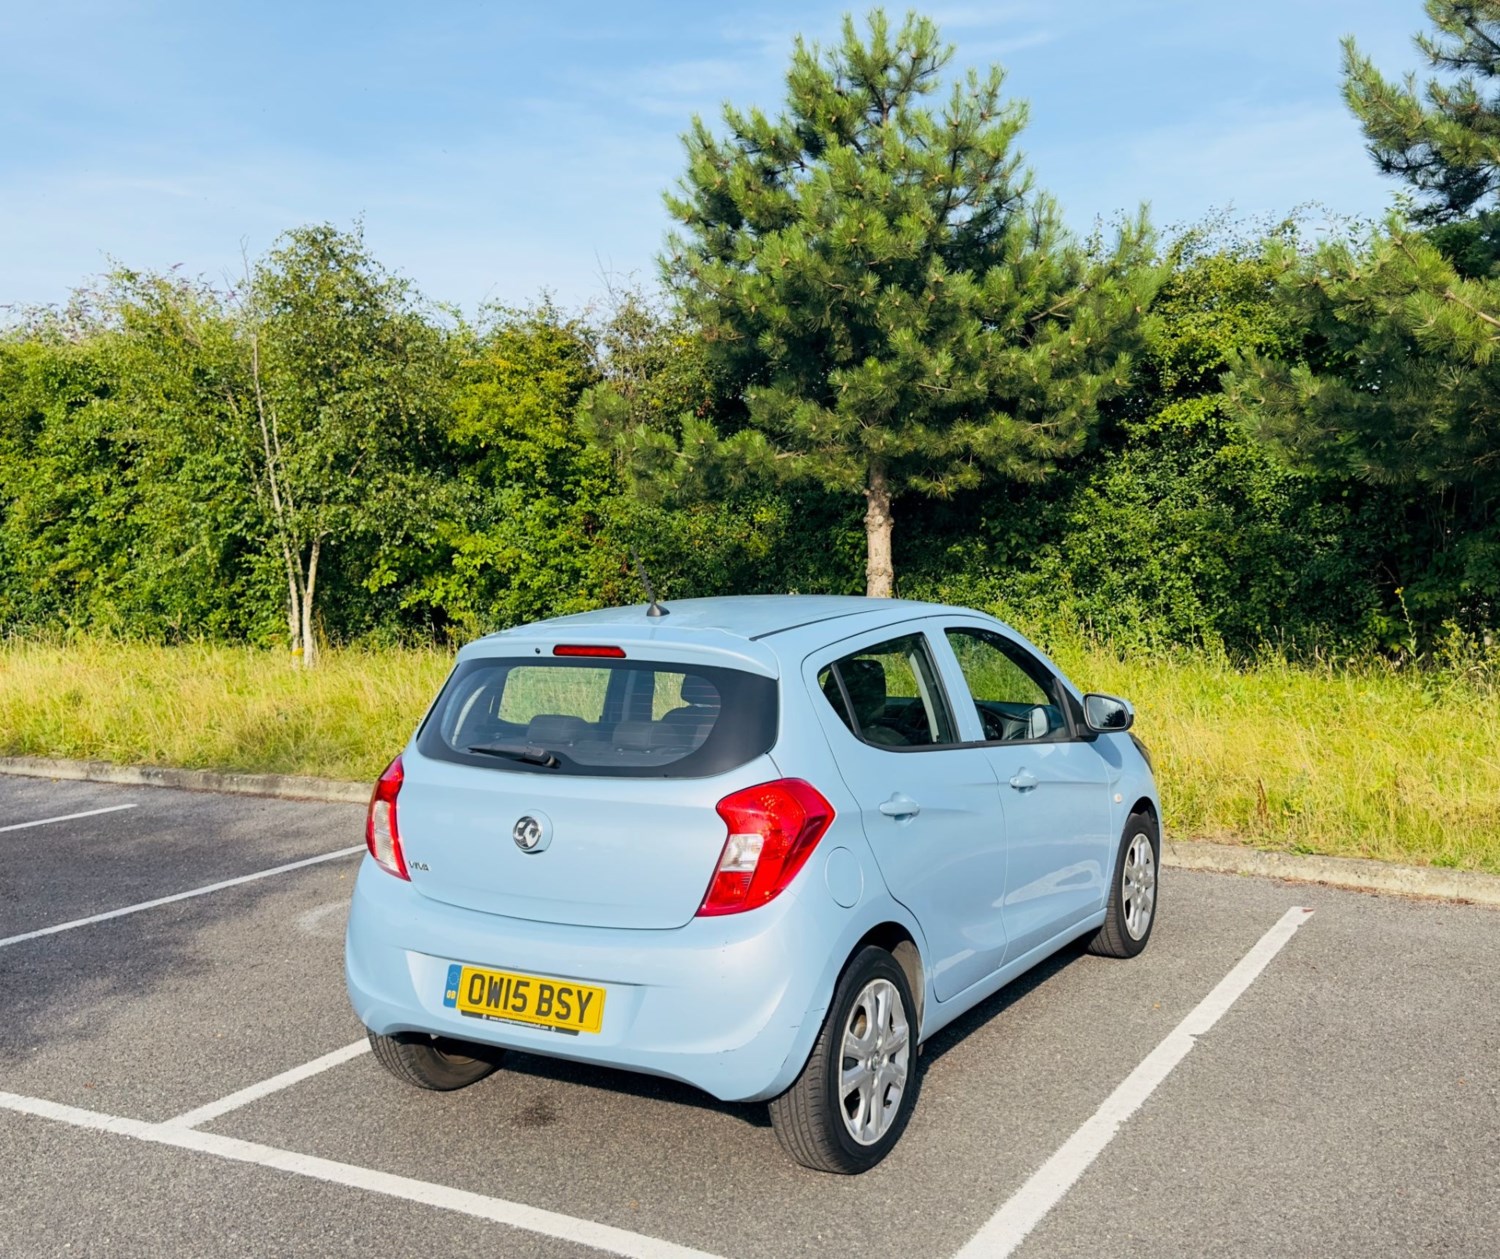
x=622 y=718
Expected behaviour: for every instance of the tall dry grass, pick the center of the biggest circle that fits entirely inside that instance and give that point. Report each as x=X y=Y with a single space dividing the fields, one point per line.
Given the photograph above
x=214 y=707
x=1360 y=761
x=1363 y=760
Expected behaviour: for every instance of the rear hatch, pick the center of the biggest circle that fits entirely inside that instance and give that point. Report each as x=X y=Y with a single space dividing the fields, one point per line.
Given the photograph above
x=581 y=790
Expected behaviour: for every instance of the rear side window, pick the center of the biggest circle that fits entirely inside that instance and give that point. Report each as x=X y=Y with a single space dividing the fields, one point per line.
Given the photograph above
x=889 y=695
x=620 y=718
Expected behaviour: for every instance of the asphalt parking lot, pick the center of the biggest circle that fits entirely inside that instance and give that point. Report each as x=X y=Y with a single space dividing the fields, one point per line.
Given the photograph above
x=171 y=1081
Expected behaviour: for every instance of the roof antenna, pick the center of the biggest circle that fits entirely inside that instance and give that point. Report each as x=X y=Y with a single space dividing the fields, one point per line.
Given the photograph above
x=655 y=609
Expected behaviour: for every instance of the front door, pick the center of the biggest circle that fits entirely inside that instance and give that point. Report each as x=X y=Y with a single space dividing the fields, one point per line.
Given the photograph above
x=1054 y=788
x=930 y=805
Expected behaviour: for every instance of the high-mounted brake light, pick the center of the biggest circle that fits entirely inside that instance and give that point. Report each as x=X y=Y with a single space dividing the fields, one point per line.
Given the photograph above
x=587 y=649
x=773 y=829
x=382 y=834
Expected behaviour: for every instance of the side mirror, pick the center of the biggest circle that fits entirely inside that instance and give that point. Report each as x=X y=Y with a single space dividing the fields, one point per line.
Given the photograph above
x=1107 y=714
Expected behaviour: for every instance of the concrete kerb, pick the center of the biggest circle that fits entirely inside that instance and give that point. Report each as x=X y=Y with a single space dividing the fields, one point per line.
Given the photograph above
x=1351 y=872
x=1430 y=882
x=278 y=786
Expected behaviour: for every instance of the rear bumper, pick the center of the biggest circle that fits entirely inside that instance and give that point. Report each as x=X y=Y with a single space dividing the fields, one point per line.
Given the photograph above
x=730 y=1005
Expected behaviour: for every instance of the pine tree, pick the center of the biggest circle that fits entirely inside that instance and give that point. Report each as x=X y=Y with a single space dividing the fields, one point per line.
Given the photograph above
x=1404 y=386
x=1400 y=382
x=1443 y=138
x=897 y=307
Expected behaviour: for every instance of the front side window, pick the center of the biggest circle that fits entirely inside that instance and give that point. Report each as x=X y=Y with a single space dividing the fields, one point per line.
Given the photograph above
x=888 y=695
x=1013 y=695
x=617 y=718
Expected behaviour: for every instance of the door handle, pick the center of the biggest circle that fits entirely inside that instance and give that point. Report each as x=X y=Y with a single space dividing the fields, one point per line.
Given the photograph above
x=1024 y=780
x=900 y=806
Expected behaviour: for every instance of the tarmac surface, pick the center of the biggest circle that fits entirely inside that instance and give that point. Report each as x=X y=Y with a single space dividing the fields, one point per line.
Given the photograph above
x=1346 y=1101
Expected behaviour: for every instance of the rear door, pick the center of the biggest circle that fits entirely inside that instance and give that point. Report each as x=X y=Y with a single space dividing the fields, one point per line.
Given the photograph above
x=617 y=763
x=1054 y=785
x=928 y=803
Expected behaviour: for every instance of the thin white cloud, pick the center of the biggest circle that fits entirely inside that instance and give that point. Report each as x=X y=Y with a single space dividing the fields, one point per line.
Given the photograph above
x=968 y=17
x=508 y=217
x=976 y=52
x=1257 y=159
x=497 y=154
x=672 y=89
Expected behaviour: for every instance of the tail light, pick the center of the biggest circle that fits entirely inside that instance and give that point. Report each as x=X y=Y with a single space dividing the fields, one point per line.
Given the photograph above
x=382 y=833
x=773 y=829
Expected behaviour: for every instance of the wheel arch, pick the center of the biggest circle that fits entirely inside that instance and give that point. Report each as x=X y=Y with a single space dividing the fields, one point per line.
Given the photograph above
x=898 y=942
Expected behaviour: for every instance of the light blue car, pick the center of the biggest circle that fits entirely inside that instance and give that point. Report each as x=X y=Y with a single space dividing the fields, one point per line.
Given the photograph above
x=763 y=845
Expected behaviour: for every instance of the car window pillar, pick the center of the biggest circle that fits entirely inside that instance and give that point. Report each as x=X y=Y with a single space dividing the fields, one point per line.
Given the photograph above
x=965 y=712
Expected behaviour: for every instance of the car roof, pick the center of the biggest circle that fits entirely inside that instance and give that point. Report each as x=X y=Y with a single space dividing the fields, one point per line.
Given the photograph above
x=748 y=617
x=740 y=630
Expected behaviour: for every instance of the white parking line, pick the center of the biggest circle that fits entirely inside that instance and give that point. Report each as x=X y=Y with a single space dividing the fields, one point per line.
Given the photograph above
x=180 y=896
x=1008 y=1227
x=67 y=817
x=615 y=1241
x=266 y=1087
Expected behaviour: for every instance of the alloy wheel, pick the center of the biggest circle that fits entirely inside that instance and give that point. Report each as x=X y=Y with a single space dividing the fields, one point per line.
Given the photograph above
x=1138 y=885
x=875 y=1061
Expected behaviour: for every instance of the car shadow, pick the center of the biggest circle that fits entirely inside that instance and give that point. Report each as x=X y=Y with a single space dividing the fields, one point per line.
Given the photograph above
x=632 y=1084
x=993 y=1006
x=754 y=1114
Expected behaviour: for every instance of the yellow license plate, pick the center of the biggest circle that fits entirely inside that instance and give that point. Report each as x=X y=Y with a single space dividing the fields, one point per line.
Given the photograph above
x=496 y=994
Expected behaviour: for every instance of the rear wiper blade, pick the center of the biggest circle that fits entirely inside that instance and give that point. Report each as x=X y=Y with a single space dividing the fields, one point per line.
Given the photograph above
x=528 y=752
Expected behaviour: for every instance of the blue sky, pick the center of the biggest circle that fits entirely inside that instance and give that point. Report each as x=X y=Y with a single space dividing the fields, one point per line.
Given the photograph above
x=494 y=150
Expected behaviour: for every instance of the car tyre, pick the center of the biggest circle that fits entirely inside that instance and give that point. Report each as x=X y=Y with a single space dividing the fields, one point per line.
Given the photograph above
x=1130 y=913
x=434 y=1062
x=856 y=1094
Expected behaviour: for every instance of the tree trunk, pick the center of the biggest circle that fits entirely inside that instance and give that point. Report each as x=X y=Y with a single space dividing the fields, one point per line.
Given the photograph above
x=309 y=641
x=298 y=593
x=293 y=609
x=880 y=573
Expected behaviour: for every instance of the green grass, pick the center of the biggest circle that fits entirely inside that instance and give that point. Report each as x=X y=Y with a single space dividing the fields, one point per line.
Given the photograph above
x=1358 y=761
x=1362 y=761
x=214 y=707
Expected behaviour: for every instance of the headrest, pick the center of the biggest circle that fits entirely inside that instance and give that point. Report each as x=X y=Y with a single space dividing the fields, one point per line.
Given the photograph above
x=647 y=736
x=699 y=692
x=550 y=730
x=835 y=696
x=865 y=682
